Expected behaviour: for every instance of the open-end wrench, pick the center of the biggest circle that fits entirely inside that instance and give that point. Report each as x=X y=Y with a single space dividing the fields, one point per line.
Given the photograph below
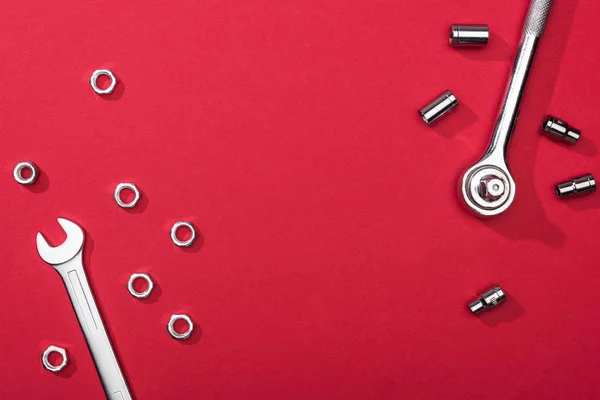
x=487 y=187
x=66 y=259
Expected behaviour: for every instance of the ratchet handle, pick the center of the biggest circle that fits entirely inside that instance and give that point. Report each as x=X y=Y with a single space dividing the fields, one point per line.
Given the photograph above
x=85 y=307
x=535 y=23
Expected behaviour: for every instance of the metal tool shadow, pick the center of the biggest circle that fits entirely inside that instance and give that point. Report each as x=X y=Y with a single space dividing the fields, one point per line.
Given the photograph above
x=496 y=50
x=508 y=311
x=88 y=249
x=456 y=121
x=41 y=184
x=526 y=218
x=585 y=202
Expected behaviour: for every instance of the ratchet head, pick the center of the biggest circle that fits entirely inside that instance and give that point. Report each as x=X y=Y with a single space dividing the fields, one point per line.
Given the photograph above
x=487 y=188
x=66 y=251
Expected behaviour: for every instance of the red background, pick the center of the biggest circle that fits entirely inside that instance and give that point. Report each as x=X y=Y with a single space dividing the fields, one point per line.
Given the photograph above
x=335 y=261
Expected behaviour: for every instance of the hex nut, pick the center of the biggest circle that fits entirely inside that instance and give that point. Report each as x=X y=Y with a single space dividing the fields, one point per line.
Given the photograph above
x=183 y=243
x=94 y=79
x=145 y=293
x=46 y=361
x=18 y=173
x=117 y=195
x=171 y=326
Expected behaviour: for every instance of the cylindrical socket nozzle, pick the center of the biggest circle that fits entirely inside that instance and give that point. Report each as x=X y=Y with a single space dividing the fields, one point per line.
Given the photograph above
x=558 y=129
x=585 y=184
x=489 y=299
x=469 y=35
x=438 y=108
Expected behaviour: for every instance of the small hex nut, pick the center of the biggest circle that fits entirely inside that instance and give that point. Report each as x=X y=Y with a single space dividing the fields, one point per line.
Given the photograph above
x=171 y=326
x=145 y=293
x=97 y=74
x=186 y=225
x=46 y=361
x=18 y=173
x=130 y=186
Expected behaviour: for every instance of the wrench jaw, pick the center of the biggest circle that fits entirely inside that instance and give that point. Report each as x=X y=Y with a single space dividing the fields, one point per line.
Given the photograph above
x=71 y=247
x=487 y=188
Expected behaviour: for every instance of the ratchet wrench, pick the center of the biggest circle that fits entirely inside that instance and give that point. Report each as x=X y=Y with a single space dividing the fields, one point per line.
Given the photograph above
x=487 y=187
x=66 y=259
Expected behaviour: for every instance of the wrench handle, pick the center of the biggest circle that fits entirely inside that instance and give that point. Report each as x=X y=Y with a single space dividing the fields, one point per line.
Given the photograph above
x=85 y=307
x=533 y=28
x=535 y=23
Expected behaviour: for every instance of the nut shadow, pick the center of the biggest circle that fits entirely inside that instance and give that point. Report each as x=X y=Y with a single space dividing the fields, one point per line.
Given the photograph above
x=505 y=312
x=41 y=183
x=589 y=201
x=197 y=244
x=117 y=92
x=194 y=337
x=526 y=219
x=71 y=366
x=456 y=121
x=154 y=295
x=496 y=50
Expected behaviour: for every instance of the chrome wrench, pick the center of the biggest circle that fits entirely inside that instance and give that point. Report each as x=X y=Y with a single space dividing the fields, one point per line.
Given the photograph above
x=66 y=259
x=487 y=187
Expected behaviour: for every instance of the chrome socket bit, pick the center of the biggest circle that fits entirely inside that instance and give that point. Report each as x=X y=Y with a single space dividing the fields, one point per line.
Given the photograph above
x=585 y=184
x=469 y=35
x=558 y=129
x=489 y=299
x=438 y=107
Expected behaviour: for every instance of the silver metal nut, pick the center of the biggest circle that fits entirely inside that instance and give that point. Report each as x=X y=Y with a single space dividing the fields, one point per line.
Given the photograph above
x=489 y=299
x=145 y=293
x=171 y=326
x=183 y=243
x=18 y=173
x=491 y=188
x=96 y=75
x=120 y=188
x=46 y=361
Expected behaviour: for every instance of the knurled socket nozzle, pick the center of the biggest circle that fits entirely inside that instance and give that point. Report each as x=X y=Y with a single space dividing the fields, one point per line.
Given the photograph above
x=469 y=35
x=585 y=184
x=439 y=107
x=558 y=129
x=489 y=299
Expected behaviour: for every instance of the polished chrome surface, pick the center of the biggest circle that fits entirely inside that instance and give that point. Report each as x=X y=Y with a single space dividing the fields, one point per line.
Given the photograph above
x=439 y=107
x=183 y=243
x=145 y=293
x=96 y=75
x=558 y=129
x=493 y=161
x=493 y=297
x=46 y=362
x=585 y=184
x=469 y=35
x=171 y=326
x=489 y=299
x=66 y=259
x=70 y=248
x=476 y=307
x=126 y=186
x=18 y=173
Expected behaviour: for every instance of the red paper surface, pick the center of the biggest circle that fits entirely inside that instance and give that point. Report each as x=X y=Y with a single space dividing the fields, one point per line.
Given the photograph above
x=334 y=260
